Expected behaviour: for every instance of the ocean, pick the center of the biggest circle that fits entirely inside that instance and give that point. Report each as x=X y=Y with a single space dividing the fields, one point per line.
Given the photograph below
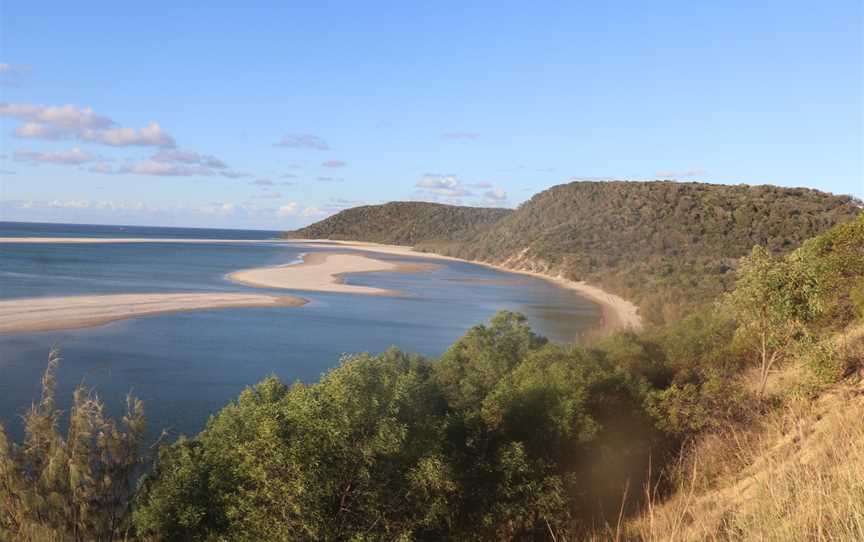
x=186 y=366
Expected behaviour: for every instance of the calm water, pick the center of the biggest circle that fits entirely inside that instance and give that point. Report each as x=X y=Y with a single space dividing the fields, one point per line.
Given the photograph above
x=186 y=366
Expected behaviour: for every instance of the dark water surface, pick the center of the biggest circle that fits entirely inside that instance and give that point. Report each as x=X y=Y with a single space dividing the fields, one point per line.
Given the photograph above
x=186 y=366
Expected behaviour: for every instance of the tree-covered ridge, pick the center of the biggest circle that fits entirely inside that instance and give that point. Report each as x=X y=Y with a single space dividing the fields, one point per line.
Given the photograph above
x=668 y=246
x=404 y=223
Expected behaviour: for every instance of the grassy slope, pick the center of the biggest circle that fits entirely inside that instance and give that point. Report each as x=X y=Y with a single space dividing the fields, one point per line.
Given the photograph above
x=795 y=473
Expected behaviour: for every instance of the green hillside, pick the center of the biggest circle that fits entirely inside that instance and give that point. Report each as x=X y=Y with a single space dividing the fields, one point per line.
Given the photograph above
x=666 y=245
x=404 y=223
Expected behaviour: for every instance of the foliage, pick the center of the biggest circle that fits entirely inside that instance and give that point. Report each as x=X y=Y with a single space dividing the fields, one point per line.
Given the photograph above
x=404 y=223
x=78 y=488
x=495 y=440
x=670 y=247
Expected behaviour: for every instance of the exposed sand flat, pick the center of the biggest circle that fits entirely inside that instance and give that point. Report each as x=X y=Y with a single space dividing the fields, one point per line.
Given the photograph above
x=116 y=240
x=322 y=272
x=618 y=313
x=53 y=313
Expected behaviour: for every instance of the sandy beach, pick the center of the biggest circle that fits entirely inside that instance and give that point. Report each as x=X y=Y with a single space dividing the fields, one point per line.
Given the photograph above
x=322 y=272
x=53 y=313
x=617 y=312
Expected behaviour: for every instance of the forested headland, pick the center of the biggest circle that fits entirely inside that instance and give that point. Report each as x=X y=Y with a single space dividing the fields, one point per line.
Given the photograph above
x=731 y=416
x=667 y=246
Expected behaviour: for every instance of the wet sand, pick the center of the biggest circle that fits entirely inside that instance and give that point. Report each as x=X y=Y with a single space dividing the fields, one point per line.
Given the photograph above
x=323 y=272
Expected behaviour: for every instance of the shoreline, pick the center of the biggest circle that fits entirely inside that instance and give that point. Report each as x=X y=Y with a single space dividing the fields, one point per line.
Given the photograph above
x=617 y=313
x=29 y=315
x=324 y=272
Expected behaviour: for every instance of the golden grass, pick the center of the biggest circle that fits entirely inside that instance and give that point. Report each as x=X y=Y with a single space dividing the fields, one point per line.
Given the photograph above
x=797 y=474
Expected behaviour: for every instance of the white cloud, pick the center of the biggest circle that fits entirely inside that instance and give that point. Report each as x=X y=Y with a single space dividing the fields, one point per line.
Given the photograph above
x=177 y=163
x=446 y=186
x=303 y=141
x=69 y=121
x=149 y=136
x=34 y=130
x=62 y=116
x=74 y=156
x=289 y=209
x=312 y=212
x=165 y=169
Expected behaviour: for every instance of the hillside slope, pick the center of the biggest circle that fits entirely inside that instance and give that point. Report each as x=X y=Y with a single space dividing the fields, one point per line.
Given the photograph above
x=404 y=223
x=666 y=245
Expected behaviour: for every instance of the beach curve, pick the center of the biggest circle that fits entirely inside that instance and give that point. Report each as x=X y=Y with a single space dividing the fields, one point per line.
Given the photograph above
x=324 y=271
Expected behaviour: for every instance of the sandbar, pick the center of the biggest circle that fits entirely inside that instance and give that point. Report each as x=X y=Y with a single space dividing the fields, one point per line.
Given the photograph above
x=617 y=312
x=323 y=272
x=67 y=312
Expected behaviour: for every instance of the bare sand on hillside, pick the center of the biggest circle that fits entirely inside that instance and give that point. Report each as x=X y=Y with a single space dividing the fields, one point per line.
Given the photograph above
x=53 y=313
x=617 y=312
x=322 y=272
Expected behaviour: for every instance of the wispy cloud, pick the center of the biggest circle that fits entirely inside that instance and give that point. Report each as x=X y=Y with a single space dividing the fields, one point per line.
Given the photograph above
x=334 y=163
x=328 y=179
x=262 y=182
x=73 y=156
x=459 y=134
x=188 y=157
x=684 y=174
x=303 y=141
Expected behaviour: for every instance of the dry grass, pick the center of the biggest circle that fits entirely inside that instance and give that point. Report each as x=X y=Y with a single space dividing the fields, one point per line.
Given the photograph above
x=796 y=475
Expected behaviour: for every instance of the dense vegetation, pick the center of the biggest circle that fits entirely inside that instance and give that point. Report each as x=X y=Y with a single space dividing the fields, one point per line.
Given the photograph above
x=670 y=247
x=404 y=223
x=505 y=437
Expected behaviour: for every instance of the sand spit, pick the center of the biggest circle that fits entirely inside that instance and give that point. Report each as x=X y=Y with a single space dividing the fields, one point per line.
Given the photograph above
x=322 y=272
x=618 y=313
x=54 y=313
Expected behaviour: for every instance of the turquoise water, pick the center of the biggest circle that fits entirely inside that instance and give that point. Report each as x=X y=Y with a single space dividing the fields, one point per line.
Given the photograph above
x=186 y=366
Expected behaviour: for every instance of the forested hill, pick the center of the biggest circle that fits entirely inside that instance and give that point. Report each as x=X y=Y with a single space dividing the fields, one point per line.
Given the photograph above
x=404 y=223
x=669 y=246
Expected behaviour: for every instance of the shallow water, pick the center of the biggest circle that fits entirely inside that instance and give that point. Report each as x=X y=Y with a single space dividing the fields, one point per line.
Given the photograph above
x=186 y=366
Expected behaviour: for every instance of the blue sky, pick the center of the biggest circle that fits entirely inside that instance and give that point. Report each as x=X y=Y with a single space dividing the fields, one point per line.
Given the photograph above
x=272 y=115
